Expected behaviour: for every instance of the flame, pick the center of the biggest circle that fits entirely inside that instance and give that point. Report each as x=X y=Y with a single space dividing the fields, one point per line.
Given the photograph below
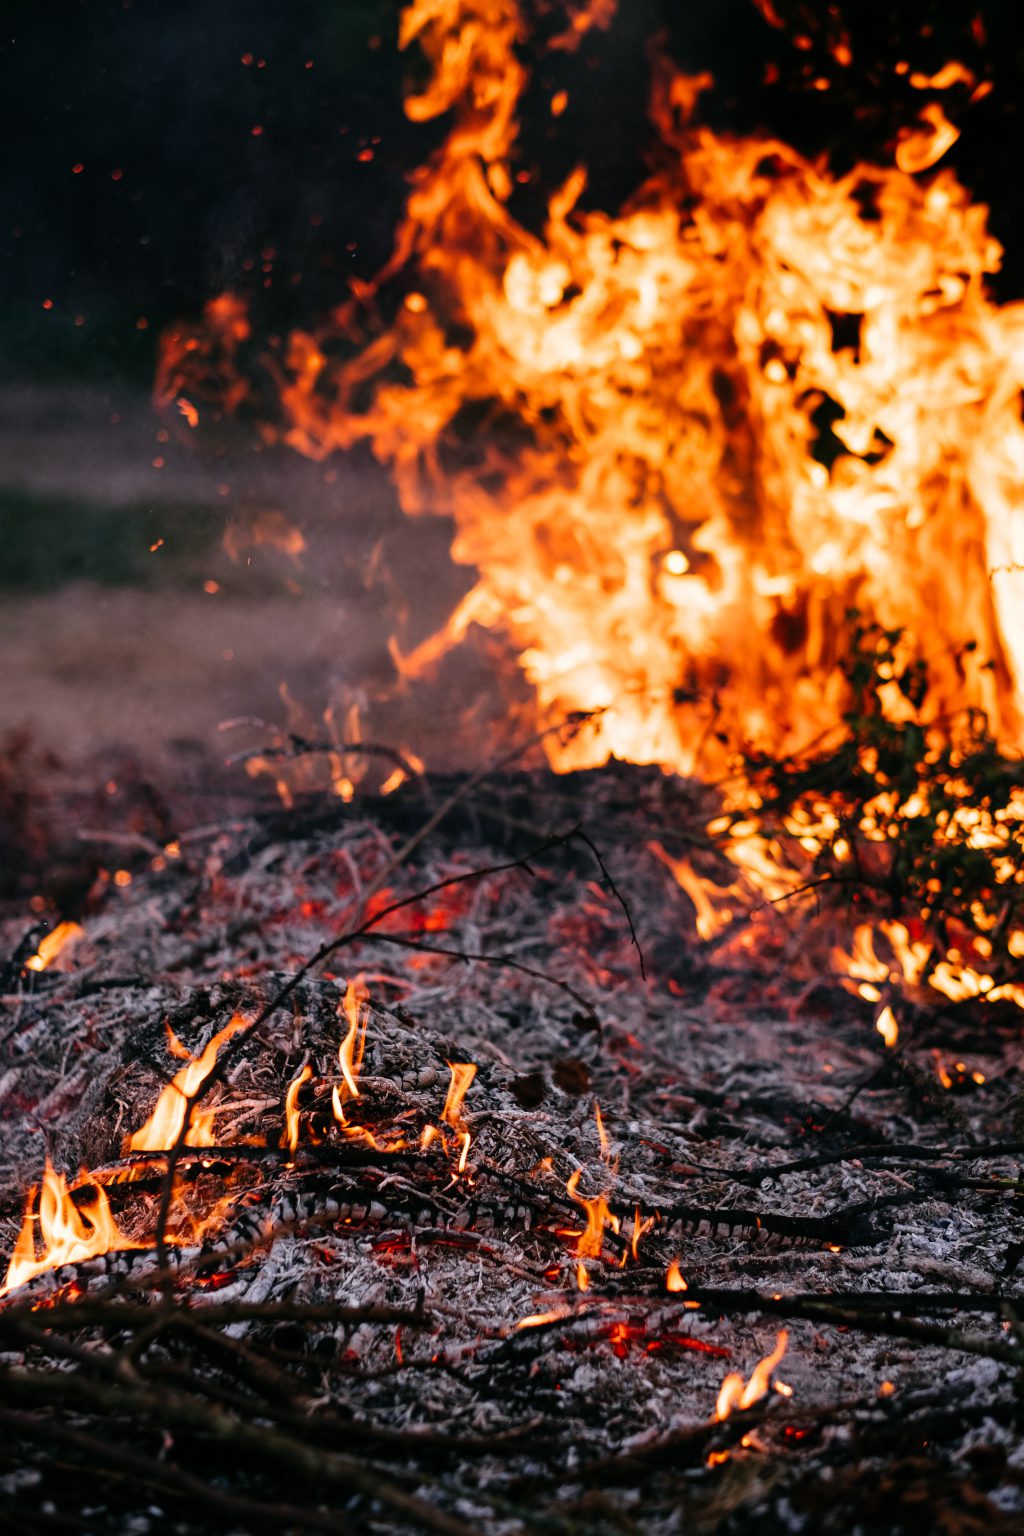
x=162 y=1129
x=350 y=1052
x=463 y=1073
x=734 y=1393
x=590 y=1241
x=676 y=538
x=674 y=1279
x=759 y=395
x=711 y=920
x=538 y=1319
x=291 y=1113
x=887 y=1026
x=921 y=148
x=602 y=1134
x=52 y=945
x=69 y=1232
x=641 y=1227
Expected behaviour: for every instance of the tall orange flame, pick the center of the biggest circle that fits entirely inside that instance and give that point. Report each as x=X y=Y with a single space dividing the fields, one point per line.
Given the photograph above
x=680 y=538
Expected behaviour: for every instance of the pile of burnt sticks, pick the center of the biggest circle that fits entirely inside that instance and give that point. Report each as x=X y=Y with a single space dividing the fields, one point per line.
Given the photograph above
x=339 y=1295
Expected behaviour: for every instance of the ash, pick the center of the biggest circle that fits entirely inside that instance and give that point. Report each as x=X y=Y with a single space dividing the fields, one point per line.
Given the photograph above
x=355 y=1335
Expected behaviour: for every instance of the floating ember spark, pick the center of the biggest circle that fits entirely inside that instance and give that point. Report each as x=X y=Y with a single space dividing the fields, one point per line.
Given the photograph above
x=734 y=1393
x=64 y=1230
x=161 y=1131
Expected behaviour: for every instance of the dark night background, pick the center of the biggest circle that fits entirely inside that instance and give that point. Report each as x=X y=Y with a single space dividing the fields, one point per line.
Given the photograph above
x=261 y=146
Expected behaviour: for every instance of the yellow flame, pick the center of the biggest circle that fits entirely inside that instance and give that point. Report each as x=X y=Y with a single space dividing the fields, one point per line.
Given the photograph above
x=291 y=1112
x=735 y=1393
x=590 y=1241
x=65 y=1231
x=52 y=945
x=674 y=1278
x=162 y=1129
x=671 y=531
x=350 y=1052
x=463 y=1073
x=887 y=1026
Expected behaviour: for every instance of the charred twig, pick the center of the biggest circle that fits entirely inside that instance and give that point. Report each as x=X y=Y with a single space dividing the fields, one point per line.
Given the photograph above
x=171 y=1478
x=326 y=950
x=116 y=1314
x=508 y=962
x=617 y=894
x=187 y=1416
x=301 y=746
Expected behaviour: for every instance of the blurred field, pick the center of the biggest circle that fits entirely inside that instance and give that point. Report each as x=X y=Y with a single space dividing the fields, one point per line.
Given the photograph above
x=124 y=620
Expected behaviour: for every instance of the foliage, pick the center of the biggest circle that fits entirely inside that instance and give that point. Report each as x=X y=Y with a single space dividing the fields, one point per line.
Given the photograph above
x=919 y=820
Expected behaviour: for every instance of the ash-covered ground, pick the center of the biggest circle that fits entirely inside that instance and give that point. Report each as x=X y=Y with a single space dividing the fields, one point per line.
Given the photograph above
x=753 y=1130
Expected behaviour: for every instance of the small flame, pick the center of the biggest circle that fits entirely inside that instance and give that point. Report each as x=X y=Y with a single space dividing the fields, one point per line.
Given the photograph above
x=641 y=1227
x=674 y=1279
x=52 y=945
x=350 y=1052
x=602 y=1134
x=537 y=1319
x=69 y=1232
x=162 y=1129
x=887 y=1026
x=463 y=1073
x=350 y=1058
x=591 y=1240
x=922 y=147
x=711 y=920
x=291 y=1113
x=734 y=1393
